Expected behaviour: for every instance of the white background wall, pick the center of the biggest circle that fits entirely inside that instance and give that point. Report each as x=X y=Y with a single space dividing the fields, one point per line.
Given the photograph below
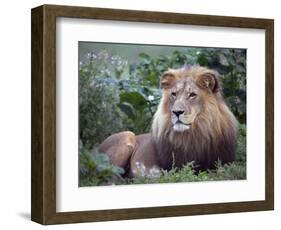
x=15 y=113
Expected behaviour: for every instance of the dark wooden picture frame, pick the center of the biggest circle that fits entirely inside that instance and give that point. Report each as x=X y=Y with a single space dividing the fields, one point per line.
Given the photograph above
x=43 y=188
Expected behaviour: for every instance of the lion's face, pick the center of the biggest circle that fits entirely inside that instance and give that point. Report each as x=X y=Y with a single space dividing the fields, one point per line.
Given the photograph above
x=185 y=104
x=186 y=91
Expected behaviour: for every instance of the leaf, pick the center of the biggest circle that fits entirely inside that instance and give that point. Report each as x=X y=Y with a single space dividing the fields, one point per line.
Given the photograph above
x=240 y=69
x=135 y=99
x=128 y=109
x=223 y=60
x=202 y=60
x=146 y=59
x=242 y=107
x=242 y=130
x=153 y=79
x=118 y=170
x=100 y=158
x=104 y=169
x=231 y=60
x=144 y=55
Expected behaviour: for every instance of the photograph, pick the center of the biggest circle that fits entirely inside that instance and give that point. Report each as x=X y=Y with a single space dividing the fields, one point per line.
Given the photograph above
x=161 y=114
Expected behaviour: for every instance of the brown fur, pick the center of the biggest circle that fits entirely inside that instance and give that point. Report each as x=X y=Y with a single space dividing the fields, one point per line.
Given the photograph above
x=209 y=136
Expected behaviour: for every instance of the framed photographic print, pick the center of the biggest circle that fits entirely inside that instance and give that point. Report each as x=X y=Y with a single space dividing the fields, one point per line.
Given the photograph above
x=140 y=114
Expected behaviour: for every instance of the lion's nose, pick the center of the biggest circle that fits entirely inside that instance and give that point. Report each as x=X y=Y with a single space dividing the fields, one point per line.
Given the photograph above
x=178 y=112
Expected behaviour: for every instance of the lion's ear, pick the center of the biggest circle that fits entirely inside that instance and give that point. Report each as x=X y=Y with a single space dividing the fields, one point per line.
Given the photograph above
x=168 y=80
x=209 y=81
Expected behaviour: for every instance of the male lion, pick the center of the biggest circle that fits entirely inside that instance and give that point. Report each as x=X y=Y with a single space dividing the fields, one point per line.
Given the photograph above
x=192 y=124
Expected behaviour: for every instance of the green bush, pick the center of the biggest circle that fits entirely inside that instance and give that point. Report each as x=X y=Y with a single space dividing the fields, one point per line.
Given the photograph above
x=99 y=114
x=233 y=171
x=95 y=169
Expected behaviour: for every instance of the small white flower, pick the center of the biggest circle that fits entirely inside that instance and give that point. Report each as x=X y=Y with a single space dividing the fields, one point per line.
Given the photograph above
x=154 y=172
x=150 y=97
x=197 y=52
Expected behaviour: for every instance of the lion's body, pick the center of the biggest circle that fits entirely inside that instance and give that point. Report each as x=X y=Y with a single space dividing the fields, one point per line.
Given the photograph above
x=192 y=124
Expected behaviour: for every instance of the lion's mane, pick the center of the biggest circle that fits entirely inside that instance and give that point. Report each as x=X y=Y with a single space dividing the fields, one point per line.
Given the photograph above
x=211 y=138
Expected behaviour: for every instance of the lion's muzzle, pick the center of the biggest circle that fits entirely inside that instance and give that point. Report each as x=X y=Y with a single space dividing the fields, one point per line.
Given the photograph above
x=182 y=121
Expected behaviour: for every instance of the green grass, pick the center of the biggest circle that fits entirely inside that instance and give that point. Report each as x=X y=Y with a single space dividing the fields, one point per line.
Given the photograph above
x=233 y=171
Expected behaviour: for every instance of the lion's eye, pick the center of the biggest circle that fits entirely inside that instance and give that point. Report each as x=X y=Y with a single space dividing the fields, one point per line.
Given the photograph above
x=192 y=95
x=174 y=94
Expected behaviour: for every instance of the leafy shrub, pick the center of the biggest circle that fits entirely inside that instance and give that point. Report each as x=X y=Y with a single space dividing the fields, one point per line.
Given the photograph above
x=241 y=145
x=233 y=171
x=95 y=169
x=99 y=114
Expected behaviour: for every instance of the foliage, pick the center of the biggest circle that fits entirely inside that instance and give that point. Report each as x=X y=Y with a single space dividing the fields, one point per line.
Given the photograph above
x=117 y=95
x=89 y=175
x=233 y=171
x=240 y=155
x=95 y=169
x=99 y=97
x=230 y=63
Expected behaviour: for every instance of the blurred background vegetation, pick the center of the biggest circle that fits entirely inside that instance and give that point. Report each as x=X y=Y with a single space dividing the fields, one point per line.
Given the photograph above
x=119 y=90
